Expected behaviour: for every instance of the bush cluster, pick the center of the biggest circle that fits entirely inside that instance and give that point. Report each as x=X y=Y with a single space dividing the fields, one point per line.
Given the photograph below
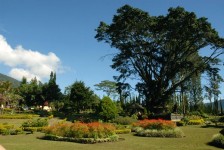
x=218 y=140
x=7 y=129
x=94 y=130
x=180 y=123
x=34 y=125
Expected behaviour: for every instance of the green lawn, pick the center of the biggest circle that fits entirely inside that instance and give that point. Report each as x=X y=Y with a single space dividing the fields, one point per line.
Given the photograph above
x=196 y=139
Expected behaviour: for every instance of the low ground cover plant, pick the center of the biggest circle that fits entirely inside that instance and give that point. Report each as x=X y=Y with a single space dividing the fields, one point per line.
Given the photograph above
x=81 y=132
x=157 y=128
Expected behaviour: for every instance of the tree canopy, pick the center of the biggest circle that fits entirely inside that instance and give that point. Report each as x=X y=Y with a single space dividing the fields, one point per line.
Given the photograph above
x=80 y=96
x=162 y=52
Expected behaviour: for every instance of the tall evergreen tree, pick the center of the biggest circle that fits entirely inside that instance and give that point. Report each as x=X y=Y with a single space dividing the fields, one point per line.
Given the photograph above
x=51 y=90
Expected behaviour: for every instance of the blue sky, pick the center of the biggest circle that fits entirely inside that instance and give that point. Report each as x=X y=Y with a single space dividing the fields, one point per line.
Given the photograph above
x=44 y=35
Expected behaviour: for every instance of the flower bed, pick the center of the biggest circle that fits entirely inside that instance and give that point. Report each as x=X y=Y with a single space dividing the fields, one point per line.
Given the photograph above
x=81 y=132
x=156 y=128
x=155 y=124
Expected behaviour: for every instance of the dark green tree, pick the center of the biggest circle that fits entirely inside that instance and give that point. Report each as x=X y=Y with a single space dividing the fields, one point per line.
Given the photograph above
x=51 y=91
x=213 y=87
x=158 y=49
x=195 y=90
x=80 y=97
x=31 y=92
x=8 y=95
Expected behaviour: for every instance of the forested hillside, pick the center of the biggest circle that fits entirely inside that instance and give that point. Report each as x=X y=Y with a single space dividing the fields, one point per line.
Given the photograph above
x=14 y=82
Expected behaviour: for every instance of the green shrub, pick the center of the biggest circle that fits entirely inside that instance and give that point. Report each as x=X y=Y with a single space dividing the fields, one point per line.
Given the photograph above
x=108 y=109
x=180 y=123
x=185 y=120
x=194 y=117
x=40 y=122
x=123 y=131
x=218 y=140
x=196 y=122
x=124 y=120
x=6 y=129
x=16 y=131
x=136 y=129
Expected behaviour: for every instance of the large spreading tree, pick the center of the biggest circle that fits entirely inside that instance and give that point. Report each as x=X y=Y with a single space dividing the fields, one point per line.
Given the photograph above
x=162 y=52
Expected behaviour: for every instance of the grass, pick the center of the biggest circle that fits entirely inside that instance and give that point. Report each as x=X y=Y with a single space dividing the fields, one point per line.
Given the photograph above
x=196 y=139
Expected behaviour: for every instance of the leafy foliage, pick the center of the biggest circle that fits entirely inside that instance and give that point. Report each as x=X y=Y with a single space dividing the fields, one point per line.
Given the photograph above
x=161 y=51
x=124 y=120
x=218 y=140
x=80 y=97
x=108 y=109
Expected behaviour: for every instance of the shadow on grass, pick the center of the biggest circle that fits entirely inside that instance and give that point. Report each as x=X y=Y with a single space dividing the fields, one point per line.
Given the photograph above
x=215 y=144
x=213 y=126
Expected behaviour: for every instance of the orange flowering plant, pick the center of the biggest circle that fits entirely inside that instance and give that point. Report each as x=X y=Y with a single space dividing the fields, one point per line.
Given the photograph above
x=157 y=124
x=82 y=130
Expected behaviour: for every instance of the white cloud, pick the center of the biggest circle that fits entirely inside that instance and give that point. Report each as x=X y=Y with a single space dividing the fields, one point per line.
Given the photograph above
x=28 y=63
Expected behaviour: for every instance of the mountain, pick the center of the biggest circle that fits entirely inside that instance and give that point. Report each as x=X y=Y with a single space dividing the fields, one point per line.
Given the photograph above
x=14 y=82
x=219 y=102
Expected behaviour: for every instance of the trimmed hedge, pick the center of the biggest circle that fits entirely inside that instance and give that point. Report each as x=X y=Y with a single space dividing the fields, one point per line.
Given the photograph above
x=35 y=125
x=6 y=129
x=17 y=116
x=123 y=131
x=196 y=122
